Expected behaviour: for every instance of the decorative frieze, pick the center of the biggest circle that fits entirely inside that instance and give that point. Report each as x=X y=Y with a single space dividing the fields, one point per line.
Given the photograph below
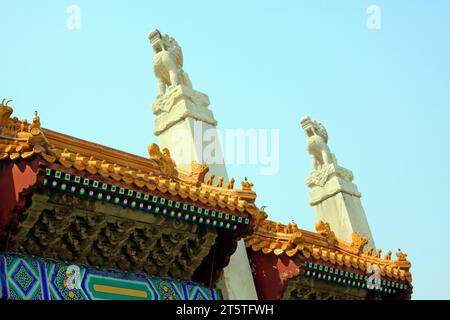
x=35 y=278
x=94 y=189
x=105 y=235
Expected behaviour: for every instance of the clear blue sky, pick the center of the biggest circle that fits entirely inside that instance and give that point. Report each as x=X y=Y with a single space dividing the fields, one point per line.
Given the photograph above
x=383 y=94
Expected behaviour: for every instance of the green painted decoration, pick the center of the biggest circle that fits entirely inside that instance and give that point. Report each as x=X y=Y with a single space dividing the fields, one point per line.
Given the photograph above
x=34 y=278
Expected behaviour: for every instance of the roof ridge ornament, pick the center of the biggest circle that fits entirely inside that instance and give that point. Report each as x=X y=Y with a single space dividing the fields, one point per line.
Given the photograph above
x=23 y=139
x=247 y=186
x=323 y=228
x=36 y=121
x=165 y=163
x=5 y=112
x=358 y=243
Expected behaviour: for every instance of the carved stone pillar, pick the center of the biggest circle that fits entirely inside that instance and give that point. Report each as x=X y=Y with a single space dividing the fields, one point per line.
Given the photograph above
x=333 y=195
x=186 y=126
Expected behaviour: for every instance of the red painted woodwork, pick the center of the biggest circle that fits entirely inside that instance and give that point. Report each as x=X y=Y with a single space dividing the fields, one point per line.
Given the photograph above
x=15 y=177
x=271 y=273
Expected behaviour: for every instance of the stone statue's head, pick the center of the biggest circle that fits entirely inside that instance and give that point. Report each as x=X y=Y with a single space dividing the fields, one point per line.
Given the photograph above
x=163 y=42
x=156 y=40
x=307 y=125
x=312 y=128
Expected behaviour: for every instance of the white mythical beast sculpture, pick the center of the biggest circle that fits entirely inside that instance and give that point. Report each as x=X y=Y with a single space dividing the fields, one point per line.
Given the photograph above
x=168 y=62
x=317 y=143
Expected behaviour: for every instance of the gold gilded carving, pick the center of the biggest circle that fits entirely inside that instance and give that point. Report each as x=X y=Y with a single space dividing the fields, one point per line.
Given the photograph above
x=219 y=183
x=358 y=243
x=246 y=186
x=19 y=139
x=291 y=227
x=323 y=228
x=199 y=171
x=388 y=255
x=165 y=163
x=5 y=112
x=271 y=237
x=230 y=184
x=378 y=254
x=369 y=252
x=401 y=256
x=210 y=180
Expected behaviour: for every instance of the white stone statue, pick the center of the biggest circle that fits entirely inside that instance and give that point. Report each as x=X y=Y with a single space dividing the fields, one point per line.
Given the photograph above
x=168 y=62
x=176 y=100
x=317 y=143
x=333 y=195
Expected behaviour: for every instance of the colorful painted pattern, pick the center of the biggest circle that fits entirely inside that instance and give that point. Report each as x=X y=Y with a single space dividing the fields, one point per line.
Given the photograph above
x=341 y=277
x=153 y=204
x=34 y=278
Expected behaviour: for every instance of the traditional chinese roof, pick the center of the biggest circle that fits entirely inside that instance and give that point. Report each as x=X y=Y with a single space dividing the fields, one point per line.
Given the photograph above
x=155 y=185
x=80 y=201
x=291 y=263
x=275 y=238
x=23 y=140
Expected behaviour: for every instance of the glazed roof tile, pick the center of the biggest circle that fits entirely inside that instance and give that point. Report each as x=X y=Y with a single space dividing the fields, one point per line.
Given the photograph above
x=275 y=238
x=23 y=140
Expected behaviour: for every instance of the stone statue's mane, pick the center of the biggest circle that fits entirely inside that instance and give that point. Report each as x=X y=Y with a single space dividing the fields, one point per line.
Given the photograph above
x=174 y=48
x=321 y=131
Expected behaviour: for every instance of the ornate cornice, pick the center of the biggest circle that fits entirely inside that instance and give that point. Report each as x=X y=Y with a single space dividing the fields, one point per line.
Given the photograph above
x=275 y=238
x=64 y=226
x=22 y=140
x=150 y=203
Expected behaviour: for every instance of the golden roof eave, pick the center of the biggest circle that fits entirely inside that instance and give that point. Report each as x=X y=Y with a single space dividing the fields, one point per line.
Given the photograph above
x=23 y=140
x=63 y=141
x=271 y=237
